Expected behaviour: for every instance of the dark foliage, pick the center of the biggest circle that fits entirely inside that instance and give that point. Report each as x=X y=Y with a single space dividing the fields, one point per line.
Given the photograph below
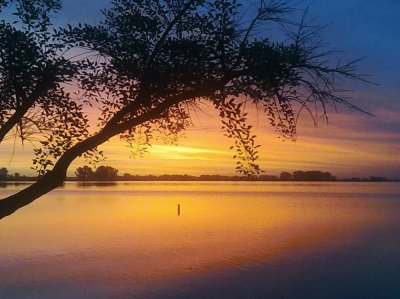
x=3 y=174
x=84 y=173
x=34 y=103
x=102 y=173
x=159 y=58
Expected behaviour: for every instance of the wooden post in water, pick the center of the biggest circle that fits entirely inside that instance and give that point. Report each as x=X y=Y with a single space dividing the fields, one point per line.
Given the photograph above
x=179 y=209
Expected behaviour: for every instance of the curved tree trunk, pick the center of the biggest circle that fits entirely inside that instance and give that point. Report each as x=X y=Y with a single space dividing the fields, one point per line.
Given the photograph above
x=57 y=175
x=53 y=178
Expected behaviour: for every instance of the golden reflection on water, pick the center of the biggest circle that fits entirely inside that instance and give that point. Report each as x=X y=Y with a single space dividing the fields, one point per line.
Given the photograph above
x=131 y=232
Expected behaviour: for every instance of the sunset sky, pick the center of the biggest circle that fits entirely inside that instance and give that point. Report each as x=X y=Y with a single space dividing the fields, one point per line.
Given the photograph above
x=352 y=144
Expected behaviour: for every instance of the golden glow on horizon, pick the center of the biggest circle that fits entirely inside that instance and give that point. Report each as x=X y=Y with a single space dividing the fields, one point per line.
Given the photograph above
x=345 y=147
x=184 y=152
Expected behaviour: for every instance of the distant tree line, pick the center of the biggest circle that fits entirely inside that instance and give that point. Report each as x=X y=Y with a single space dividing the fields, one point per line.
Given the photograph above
x=85 y=173
x=5 y=176
x=307 y=176
x=108 y=173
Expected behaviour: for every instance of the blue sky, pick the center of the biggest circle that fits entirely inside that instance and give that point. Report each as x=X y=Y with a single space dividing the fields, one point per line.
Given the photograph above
x=365 y=29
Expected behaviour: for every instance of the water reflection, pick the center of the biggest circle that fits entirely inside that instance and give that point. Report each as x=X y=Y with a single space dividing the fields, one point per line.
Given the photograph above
x=99 y=241
x=9 y=184
x=97 y=184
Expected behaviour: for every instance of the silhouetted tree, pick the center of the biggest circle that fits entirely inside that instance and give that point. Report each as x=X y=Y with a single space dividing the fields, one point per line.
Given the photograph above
x=84 y=173
x=155 y=60
x=105 y=173
x=285 y=176
x=3 y=174
x=33 y=74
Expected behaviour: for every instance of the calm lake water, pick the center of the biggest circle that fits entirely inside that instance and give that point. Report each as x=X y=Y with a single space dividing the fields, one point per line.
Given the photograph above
x=231 y=240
